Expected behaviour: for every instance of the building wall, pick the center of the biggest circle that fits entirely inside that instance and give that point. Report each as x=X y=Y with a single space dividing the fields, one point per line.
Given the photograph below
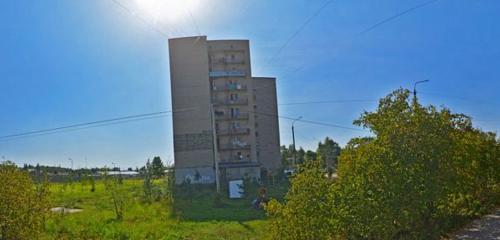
x=190 y=86
x=267 y=124
x=201 y=72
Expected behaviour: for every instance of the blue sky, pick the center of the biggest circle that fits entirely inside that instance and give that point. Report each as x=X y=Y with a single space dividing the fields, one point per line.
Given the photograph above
x=64 y=62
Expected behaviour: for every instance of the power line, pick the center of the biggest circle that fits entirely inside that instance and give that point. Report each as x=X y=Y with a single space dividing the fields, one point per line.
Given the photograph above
x=460 y=98
x=304 y=24
x=195 y=23
x=327 y=101
x=378 y=24
x=81 y=128
x=310 y=121
x=131 y=13
x=84 y=124
x=132 y=118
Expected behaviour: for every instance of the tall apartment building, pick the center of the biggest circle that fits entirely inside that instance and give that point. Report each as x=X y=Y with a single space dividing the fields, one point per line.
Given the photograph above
x=218 y=73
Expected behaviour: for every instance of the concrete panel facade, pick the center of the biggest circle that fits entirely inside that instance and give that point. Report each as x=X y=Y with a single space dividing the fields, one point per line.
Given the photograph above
x=218 y=73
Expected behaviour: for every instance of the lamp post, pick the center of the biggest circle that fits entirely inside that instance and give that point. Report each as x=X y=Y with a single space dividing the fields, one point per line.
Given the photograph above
x=293 y=138
x=415 y=88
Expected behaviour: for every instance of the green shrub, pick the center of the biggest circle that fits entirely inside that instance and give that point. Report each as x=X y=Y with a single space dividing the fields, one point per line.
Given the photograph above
x=422 y=173
x=24 y=206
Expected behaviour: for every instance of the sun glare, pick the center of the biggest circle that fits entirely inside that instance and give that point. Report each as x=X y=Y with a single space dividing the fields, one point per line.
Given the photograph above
x=167 y=10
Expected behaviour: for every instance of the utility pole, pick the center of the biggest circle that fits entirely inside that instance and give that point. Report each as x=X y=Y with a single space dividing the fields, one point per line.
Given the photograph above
x=70 y=159
x=293 y=137
x=415 y=88
x=215 y=147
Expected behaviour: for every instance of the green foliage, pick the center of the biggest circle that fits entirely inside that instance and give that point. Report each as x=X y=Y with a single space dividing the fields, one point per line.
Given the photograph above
x=287 y=155
x=24 y=205
x=156 y=220
x=328 y=152
x=117 y=195
x=307 y=212
x=152 y=192
x=310 y=156
x=424 y=172
x=92 y=183
x=157 y=168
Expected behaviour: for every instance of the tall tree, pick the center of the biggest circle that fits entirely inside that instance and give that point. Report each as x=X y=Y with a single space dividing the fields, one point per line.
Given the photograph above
x=157 y=167
x=328 y=152
x=310 y=156
x=423 y=172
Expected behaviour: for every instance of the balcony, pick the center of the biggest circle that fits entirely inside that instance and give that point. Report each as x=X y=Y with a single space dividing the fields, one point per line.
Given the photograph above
x=234 y=146
x=233 y=131
x=232 y=102
x=228 y=60
x=233 y=73
x=238 y=164
x=223 y=116
x=236 y=159
x=230 y=87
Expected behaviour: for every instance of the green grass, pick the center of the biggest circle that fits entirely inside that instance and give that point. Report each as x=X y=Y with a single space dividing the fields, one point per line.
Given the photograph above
x=192 y=216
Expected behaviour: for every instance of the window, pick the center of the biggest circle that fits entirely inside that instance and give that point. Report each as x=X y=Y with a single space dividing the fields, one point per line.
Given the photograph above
x=235 y=112
x=232 y=57
x=256 y=134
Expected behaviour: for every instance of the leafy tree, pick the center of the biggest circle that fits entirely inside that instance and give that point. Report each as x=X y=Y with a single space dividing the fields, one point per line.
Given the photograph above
x=300 y=155
x=23 y=205
x=92 y=183
x=310 y=156
x=286 y=154
x=422 y=173
x=307 y=210
x=328 y=152
x=116 y=191
x=158 y=168
x=147 y=185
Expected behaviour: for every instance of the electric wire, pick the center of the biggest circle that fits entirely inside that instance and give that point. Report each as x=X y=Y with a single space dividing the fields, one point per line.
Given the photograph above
x=301 y=27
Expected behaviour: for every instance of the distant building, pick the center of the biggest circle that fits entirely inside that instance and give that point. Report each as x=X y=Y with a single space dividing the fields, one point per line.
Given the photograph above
x=218 y=73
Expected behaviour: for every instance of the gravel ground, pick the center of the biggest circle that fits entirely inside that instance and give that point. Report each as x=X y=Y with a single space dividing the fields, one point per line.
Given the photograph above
x=487 y=227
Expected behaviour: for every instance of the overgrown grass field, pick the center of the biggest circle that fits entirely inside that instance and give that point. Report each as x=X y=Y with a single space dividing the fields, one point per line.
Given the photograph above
x=192 y=215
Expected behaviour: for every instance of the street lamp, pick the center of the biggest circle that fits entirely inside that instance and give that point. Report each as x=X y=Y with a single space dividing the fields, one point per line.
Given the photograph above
x=415 y=87
x=293 y=137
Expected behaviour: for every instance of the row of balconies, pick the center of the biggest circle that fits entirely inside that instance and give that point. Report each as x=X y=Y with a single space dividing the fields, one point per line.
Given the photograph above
x=234 y=146
x=233 y=131
x=228 y=60
x=236 y=158
x=227 y=73
x=242 y=101
x=229 y=87
x=228 y=116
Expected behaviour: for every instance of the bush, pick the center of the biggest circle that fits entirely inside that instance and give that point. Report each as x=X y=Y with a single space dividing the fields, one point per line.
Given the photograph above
x=117 y=195
x=23 y=205
x=307 y=210
x=424 y=172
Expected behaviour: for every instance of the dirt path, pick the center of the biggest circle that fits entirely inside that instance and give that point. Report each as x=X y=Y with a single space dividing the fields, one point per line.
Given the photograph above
x=487 y=227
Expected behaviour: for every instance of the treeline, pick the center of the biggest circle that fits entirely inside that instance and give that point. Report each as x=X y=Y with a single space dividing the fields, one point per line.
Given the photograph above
x=424 y=172
x=327 y=153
